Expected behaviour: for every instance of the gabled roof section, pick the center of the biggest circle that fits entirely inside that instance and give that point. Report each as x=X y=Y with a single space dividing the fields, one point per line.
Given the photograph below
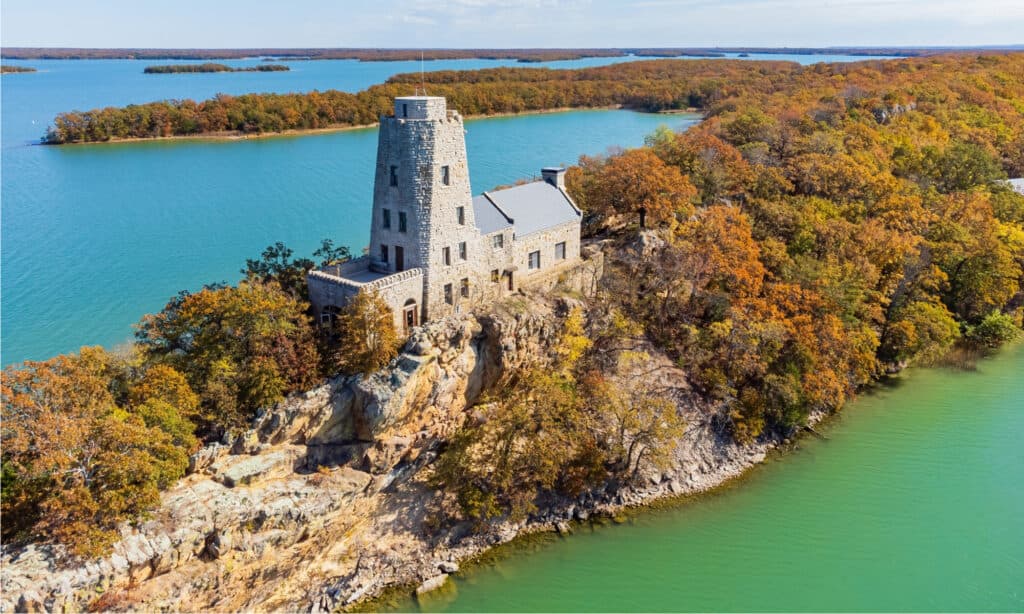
x=532 y=207
x=488 y=218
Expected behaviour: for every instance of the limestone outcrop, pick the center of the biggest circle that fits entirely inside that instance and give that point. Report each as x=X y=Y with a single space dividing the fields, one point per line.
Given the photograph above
x=314 y=463
x=325 y=502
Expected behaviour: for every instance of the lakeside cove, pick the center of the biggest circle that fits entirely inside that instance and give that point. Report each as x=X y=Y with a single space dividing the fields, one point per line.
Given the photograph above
x=890 y=511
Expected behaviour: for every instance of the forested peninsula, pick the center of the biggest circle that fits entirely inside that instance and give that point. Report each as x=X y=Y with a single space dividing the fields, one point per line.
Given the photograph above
x=822 y=228
x=212 y=67
x=655 y=85
x=7 y=68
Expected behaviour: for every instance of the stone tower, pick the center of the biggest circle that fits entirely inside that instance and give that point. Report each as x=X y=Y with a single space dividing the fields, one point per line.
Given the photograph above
x=422 y=203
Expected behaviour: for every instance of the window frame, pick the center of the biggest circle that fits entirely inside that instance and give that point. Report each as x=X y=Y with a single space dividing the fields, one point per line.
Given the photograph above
x=393 y=180
x=446 y=255
x=460 y=215
x=498 y=241
x=530 y=260
x=463 y=251
x=464 y=287
x=560 y=245
x=446 y=175
x=403 y=222
x=385 y=219
x=448 y=298
x=384 y=253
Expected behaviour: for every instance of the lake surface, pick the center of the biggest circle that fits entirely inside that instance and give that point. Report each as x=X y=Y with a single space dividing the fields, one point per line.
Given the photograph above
x=95 y=236
x=914 y=503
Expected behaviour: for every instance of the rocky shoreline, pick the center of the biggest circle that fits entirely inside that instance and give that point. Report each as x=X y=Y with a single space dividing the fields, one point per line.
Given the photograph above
x=325 y=502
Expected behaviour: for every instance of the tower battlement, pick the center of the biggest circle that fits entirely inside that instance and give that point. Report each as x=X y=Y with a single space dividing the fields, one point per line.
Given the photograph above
x=420 y=107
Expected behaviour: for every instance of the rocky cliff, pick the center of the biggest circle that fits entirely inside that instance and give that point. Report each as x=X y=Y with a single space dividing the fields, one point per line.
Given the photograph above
x=268 y=515
x=324 y=502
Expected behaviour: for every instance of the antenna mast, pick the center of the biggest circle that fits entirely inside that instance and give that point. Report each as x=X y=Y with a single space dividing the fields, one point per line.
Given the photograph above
x=423 y=81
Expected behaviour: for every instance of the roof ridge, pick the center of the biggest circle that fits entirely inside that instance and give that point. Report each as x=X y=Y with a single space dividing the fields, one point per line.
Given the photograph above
x=487 y=195
x=571 y=202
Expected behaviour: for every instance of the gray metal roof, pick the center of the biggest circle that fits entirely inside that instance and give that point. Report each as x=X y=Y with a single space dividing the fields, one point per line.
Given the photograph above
x=532 y=206
x=488 y=218
x=1018 y=184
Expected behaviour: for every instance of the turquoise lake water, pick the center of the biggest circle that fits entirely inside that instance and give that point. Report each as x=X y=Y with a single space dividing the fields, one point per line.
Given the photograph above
x=914 y=503
x=95 y=236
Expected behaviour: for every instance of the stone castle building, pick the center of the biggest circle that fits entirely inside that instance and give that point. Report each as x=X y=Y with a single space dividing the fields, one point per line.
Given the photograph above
x=434 y=248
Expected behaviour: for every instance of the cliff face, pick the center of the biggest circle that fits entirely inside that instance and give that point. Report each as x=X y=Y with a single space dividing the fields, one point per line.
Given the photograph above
x=325 y=501
x=249 y=527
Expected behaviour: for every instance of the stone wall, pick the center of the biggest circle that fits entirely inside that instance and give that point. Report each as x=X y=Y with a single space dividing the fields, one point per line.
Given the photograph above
x=419 y=149
x=544 y=241
x=326 y=288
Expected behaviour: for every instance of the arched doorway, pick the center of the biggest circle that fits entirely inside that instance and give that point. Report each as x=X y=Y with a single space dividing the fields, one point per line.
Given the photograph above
x=410 y=315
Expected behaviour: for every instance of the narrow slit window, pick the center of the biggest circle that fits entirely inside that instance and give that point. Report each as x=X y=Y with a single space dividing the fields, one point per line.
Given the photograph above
x=403 y=222
x=446 y=255
x=394 y=176
x=460 y=214
x=448 y=293
x=446 y=176
x=384 y=254
x=463 y=252
x=465 y=287
x=386 y=218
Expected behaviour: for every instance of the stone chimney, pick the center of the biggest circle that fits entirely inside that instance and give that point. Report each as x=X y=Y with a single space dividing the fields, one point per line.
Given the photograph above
x=554 y=175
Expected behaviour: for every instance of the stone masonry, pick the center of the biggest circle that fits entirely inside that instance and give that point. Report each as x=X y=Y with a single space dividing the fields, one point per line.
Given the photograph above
x=429 y=256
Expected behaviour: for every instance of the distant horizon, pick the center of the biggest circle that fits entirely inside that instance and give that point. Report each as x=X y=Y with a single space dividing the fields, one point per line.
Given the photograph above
x=996 y=46
x=511 y=24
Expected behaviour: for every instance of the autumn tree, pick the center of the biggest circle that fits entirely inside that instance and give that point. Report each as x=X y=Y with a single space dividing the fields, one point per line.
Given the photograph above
x=76 y=464
x=240 y=348
x=635 y=181
x=367 y=340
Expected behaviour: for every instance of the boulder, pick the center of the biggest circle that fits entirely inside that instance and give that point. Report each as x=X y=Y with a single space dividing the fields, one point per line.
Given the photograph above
x=432 y=584
x=448 y=567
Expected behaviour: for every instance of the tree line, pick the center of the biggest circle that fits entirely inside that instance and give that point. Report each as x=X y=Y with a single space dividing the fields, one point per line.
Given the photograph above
x=711 y=86
x=212 y=67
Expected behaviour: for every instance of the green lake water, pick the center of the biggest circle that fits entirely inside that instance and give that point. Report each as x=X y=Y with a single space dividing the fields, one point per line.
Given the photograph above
x=914 y=503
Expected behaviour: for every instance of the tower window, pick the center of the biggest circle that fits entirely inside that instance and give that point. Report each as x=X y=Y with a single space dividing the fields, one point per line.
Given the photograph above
x=560 y=251
x=534 y=260
x=384 y=254
x=446 y=255
x=465 y=287
x=403 y=223
x=448 y=293
x=446 y=176
x=498 y=241
x=462 y=251
x=386 y=218
x=394 y=176
x=405 y=110
x=460 y=214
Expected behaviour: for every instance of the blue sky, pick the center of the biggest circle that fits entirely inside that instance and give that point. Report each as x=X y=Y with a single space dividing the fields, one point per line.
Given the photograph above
x=509 y=23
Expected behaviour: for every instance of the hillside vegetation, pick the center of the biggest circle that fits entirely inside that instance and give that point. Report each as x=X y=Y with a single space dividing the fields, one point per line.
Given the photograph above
x=822 y=227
